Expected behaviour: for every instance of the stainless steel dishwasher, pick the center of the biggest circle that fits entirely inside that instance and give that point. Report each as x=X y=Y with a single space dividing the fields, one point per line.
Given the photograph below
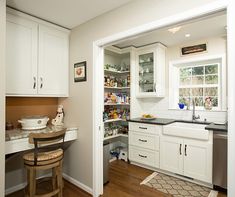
x=220 y=159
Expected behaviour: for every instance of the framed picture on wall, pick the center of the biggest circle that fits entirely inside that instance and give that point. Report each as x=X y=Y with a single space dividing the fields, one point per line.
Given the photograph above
x=199 y=48
x=80 y=71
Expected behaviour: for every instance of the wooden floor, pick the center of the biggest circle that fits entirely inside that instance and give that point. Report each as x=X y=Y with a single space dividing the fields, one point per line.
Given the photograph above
x=125 y=181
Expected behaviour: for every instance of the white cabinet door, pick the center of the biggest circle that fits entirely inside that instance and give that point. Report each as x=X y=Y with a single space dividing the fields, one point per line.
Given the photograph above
x=150 y=72
x=53 y=62
x=198 y=160
x=21 y=56
x=171 y=154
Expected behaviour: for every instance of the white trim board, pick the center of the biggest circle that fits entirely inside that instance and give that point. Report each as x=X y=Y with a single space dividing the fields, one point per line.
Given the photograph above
x=77 y=183
x=97 y=87
x=65 y=176
x=22 y=185
x=15 y=188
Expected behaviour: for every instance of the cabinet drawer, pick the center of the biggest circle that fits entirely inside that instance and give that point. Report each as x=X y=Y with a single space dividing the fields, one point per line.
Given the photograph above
x=143 y=156
x=146 y=128
x=143 y=140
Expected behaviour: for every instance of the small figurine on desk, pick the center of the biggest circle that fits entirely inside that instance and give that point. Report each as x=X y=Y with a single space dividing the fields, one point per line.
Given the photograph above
x=59 y=119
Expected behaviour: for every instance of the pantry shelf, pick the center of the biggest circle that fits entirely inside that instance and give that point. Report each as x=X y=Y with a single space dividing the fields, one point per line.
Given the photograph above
x=114 y=136
x=114 y=120
x=117 y=104
x=116 y=72
x=116 y=88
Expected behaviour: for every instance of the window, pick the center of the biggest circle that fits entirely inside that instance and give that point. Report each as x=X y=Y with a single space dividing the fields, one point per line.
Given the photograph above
x=198 y=81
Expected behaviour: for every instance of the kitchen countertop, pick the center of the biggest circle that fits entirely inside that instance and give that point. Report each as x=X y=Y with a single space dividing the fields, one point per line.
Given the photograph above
x=165 y=121
x=17 y=139
x=159 y=121
x=217 y=127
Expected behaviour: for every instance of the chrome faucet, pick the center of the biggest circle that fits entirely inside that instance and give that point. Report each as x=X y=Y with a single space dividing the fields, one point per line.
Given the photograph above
x=194 y=117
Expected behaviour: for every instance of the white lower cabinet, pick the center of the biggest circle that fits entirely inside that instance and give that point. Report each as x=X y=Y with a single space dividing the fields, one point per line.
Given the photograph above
x=144 y=156
x=198 y=160
x=171 y=154
x=188 y=157
x=144 y=144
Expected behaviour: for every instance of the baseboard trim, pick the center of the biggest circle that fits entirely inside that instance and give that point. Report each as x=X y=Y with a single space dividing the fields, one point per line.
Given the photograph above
x=22 y=185
x=78 y=183
x=15 y=188
x=67 y=177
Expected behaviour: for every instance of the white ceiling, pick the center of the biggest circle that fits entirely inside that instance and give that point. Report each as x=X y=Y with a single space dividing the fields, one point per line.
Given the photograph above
x=67 y=13
x=198 y=29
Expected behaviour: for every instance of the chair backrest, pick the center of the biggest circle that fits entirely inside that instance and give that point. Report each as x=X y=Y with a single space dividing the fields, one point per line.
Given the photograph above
x=44 y=142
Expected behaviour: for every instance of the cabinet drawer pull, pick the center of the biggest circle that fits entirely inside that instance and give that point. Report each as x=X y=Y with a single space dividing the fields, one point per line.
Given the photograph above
x=143 y=128
x=41 y=86
x=142 y=156
x=142 y=140
x=185 y=149
x=180 y=149
x=34 y=82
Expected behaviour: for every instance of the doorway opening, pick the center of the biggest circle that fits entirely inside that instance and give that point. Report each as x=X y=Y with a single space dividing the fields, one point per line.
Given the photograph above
x=130 y=43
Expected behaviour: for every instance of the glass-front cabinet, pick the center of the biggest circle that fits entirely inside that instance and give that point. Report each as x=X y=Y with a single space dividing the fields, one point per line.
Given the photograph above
x=150 y=72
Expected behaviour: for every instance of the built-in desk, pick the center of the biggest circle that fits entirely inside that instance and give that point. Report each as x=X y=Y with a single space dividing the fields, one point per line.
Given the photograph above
x=17 y=139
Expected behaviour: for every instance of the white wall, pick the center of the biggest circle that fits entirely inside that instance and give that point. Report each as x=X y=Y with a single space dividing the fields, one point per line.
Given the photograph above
x=2 y=94
x=78 y=107
x=160 y=107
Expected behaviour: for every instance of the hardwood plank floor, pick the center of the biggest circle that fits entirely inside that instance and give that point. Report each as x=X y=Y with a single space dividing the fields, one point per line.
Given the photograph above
x=124 y=181
x=70 y=190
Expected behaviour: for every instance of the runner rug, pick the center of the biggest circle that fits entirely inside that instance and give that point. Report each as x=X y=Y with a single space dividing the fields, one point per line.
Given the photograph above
x=177 y=187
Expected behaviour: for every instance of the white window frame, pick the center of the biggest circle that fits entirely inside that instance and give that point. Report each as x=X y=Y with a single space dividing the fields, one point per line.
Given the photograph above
x=174 y=67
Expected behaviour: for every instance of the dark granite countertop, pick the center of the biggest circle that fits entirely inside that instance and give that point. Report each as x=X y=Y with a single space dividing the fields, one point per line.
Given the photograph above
x=159 y=121
x=165 y=121
x=217 y=127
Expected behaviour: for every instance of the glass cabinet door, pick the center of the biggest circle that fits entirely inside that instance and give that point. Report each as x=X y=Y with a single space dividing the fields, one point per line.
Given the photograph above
x=146 y=73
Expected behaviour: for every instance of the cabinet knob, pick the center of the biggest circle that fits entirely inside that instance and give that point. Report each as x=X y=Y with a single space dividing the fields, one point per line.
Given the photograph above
x=34 y=82
x=142 y=140
x=180 y=149
x=185 y=149
x=142 y=128
x=41 y=81
x=143 y=156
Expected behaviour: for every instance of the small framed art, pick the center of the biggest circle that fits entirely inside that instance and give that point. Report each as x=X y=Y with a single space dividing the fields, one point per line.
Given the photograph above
x=199 y=48
x=80 y=71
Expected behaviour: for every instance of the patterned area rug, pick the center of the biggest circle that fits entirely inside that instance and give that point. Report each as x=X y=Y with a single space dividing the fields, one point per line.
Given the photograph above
x=177 y=187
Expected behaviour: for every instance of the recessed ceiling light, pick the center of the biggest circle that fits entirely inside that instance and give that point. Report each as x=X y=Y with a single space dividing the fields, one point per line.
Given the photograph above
x=187 y=35
x=174 y=29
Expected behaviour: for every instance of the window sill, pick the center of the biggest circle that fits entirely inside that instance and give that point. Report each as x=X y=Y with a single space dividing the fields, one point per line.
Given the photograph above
x=202 y=110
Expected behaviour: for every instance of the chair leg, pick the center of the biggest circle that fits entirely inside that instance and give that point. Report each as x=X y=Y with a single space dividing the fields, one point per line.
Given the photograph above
x=32 y=182
x=54 y=178
x=60 y=180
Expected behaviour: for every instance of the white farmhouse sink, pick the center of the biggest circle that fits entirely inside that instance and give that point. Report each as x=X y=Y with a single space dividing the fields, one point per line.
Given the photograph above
x=188 y=130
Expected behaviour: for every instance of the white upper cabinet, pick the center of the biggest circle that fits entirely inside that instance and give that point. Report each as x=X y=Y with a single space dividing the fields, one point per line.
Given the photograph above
x=21 y=56
x=52 y=62
x=36 y=58
x=150 y=71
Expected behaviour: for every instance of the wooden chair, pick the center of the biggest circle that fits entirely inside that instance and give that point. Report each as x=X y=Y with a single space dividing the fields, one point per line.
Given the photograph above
x=46 y=155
